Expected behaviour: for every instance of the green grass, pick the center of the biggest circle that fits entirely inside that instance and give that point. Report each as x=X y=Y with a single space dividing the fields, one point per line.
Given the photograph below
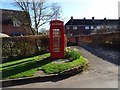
x=22 y=68
x=52 y=68
x=28 y=66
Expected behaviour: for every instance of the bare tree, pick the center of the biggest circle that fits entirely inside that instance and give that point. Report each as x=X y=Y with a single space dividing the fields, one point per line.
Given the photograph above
x=57 y=11
x=40 y=12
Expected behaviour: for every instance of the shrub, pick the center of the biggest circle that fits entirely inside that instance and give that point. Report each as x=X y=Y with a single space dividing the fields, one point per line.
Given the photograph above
x=26 y=46
x=72 y=54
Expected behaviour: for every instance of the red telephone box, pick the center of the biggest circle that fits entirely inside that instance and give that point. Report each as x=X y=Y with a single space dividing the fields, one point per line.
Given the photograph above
x=57 y=39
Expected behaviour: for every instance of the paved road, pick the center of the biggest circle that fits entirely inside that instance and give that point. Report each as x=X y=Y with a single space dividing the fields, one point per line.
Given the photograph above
x=101 y=74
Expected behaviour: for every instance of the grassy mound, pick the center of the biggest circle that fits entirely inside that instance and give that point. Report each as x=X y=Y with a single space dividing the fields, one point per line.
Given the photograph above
x=28 y=66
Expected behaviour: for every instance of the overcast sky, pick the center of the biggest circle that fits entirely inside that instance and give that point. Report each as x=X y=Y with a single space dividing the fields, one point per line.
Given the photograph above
x=82 y=8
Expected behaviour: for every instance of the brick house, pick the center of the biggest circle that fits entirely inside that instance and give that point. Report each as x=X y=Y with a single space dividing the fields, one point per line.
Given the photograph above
x=15 y=23
x=75 y=27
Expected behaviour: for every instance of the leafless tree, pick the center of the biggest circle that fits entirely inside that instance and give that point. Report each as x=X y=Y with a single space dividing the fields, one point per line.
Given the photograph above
x=57 y=11
x=40 y=12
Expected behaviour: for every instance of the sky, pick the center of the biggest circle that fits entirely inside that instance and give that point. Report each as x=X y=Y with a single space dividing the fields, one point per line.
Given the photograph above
x=90 y=8
x=81 y=8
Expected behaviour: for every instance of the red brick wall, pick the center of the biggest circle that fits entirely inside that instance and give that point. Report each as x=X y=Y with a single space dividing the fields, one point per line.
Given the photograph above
x=106 y=38
x=71 y=39
x=9 y=29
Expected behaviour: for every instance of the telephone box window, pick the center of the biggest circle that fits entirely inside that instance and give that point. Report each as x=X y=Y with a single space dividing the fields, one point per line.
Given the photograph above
x=56 y=40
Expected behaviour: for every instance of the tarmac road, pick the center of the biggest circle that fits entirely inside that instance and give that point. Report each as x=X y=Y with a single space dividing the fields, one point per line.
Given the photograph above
x=101 y=74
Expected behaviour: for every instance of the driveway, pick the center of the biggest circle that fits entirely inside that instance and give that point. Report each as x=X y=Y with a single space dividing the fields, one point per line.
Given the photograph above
x=101 y=74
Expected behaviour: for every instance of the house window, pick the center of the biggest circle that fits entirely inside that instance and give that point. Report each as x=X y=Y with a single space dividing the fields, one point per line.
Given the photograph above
x=92 y=27
x=108 y=26
x=98 y=27
x=16 y=23
x=74 y=27
x=67 y=28
x=102 y=26
x=115 y=26
x=86 y=27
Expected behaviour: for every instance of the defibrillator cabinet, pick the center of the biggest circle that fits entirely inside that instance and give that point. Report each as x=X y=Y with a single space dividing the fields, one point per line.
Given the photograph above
x=57 y=39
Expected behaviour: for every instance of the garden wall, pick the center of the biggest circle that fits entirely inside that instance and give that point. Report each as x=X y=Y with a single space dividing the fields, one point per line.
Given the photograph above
x=112 y=39
x=71 y=41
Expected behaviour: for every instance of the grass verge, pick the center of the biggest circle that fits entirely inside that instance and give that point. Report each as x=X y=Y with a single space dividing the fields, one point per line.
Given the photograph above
x=52 y=68
x=28 y=66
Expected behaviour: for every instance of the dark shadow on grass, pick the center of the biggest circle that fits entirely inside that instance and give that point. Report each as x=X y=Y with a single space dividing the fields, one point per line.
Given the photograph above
x=12 y=58
x=16 y=58
x=22 y=68
x=53 y=78
x=17 y=63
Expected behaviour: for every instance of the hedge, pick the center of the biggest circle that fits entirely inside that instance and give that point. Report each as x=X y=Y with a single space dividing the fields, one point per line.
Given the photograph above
x=26 y=46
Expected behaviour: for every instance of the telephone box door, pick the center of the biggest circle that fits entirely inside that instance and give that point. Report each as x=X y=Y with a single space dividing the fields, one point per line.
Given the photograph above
x=56 y=39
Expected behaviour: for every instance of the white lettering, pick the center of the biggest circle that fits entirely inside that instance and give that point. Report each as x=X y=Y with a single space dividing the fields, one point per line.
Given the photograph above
x=56 y=23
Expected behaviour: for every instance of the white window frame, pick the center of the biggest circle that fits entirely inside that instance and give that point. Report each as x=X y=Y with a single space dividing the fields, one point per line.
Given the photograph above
x=115 y=26
x=67 y=27
x=92 y=27
x=16 y=23
x=87 y=27
x=102 y=26
x=98 y=27
x=75 y=27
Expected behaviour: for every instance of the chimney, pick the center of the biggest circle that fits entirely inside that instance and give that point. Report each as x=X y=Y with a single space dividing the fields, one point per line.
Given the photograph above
x=93 y=18
x=71 y=17
x=105 y=19
x=84 y=18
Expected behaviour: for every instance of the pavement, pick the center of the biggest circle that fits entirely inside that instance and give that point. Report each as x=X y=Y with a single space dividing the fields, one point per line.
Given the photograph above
x=101 y=74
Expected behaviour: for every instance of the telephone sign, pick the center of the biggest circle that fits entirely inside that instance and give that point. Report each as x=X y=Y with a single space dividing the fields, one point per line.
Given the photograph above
x=57 y=39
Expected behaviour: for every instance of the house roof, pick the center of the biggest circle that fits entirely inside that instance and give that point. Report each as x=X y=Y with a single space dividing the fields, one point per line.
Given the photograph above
x=93 y=21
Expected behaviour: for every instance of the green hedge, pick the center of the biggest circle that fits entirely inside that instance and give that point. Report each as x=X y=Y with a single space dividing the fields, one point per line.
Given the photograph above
x=20 y=47
x=14 y=48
